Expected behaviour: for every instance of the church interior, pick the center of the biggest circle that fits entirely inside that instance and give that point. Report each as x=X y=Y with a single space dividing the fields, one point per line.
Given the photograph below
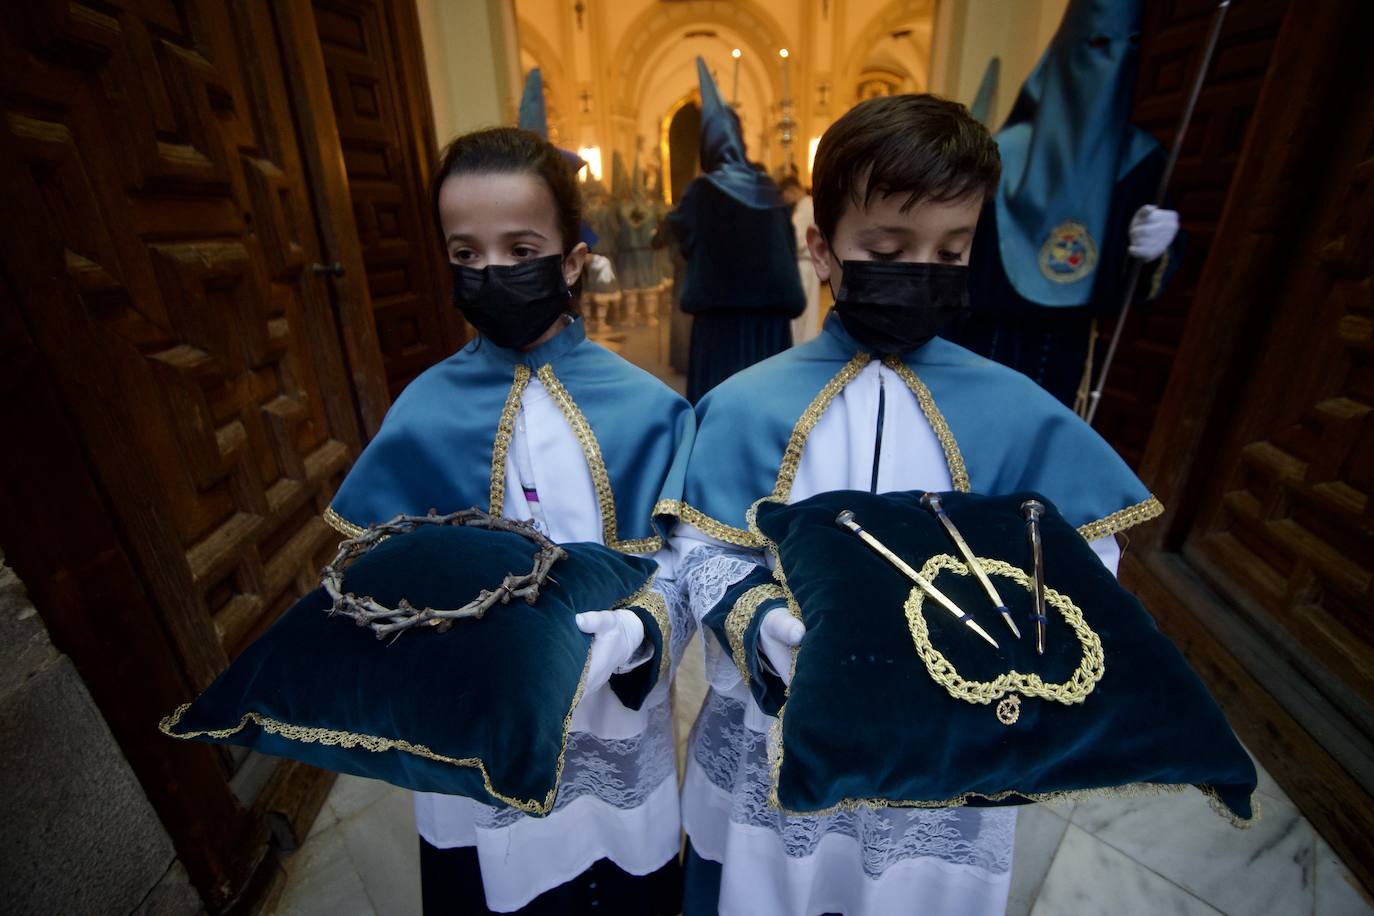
x=219 y=272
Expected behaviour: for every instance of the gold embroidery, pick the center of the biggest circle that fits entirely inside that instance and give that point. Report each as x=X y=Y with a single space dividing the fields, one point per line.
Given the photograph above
x=1120 y=521
x=958 y=473
x=738 y=620
x=586 y=438
x=341 y=524
x=1074 y=690
x=704 y=523
x=505 y=428
x=652 y=602
x=1009 y=710
x=311 y=735
x=1157 y=278
x=791 y=456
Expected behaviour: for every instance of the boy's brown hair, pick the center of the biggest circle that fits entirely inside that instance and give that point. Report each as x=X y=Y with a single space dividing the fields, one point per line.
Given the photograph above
x=923 y=146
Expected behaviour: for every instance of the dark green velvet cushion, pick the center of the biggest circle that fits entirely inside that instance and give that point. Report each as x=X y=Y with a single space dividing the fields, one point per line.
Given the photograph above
x=481 y=710
x=866 y=721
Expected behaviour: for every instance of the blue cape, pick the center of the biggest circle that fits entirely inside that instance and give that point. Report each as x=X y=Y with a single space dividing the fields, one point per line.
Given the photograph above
x=1066 y=144
x=1001 y=433
x=443 y=444
x=722 y=151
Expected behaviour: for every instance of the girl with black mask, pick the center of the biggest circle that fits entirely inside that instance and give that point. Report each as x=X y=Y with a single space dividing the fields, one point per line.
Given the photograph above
x=536 y=422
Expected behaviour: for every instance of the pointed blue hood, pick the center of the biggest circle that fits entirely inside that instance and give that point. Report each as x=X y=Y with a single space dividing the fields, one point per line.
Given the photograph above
x=981 y=109
x=532 y=114
x=722 y=151
x=1065 y=145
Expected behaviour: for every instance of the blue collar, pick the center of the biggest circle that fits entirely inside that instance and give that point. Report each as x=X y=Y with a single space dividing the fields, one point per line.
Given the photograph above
x=561 y=344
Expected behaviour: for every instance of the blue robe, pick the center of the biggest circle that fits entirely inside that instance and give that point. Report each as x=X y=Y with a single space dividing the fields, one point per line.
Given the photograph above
x=1050 y=253
x=1000 y=433
x=444 y=442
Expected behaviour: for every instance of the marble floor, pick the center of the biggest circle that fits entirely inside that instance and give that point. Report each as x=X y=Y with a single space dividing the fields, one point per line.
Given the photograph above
x=1134 y=857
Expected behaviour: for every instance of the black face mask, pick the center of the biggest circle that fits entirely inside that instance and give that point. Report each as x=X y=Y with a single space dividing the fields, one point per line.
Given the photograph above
x=512 y=305
x=896 y=306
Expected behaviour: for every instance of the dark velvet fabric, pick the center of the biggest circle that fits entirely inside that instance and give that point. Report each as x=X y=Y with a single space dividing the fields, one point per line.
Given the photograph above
x=451 y=885
x=496 y=690
x=865 y=720
x=725 y=341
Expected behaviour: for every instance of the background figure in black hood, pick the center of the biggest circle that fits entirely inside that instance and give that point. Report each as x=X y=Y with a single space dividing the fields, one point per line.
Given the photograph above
x=735 y=234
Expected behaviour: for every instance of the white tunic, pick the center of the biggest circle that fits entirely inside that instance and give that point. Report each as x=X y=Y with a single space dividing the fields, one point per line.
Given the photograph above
x=617 y=797
x=860 y=863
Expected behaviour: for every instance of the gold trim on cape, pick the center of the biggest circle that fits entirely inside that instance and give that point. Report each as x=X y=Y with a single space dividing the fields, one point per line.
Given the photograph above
x=601 y=480
x=958 y=473
x=1121 y=520
x=500 y=447
x=376 y=743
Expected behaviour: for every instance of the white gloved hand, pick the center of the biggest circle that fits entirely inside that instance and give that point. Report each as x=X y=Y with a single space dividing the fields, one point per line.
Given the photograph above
x=779 y=633
x=1152 y=232
x=616 y=637
x=600 y=270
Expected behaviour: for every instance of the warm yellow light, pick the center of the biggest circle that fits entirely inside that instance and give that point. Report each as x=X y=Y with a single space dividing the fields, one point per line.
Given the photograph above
x=811 y=154
x=783 y=53
x=592 y=156
x=735 y=54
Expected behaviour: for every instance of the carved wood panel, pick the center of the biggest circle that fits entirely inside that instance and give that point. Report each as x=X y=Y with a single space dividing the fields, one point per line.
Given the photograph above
x=1173 y=35
x=1288 y=529
x=156 y=252
x=366 y=44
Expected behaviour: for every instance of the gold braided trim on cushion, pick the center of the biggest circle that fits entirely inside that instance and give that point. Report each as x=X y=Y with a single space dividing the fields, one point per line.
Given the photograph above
x=601 y=480
x=341 y=524
x=1121 y=520
x=1075 y=690
x=307 y=734
x=739 y=618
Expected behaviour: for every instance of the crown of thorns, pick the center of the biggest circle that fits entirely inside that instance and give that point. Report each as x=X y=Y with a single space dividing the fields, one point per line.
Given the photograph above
x=384 y=620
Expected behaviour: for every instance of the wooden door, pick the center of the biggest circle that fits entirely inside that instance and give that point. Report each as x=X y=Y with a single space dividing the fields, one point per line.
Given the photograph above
x=1262 y=452
x=1173 y=35
x=176 y=399
x=375 y=70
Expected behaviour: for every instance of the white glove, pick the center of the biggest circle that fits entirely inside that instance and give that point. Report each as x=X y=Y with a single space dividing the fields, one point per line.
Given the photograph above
x=616 y=638
x=600 y=270
x=779 y=633
x=1152 y=232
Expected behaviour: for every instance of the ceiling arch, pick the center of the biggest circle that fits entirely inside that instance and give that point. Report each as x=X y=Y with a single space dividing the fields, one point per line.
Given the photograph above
x=892 y=16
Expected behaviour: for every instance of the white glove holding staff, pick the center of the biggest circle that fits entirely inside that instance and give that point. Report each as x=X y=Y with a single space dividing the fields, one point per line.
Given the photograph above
x=616 y=640
x=1152 y=232
x=779 y=634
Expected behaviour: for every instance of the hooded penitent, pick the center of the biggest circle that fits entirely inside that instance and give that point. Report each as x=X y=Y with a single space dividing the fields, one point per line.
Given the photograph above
x=1066 y=144
x=722 y=150
x=534 y=118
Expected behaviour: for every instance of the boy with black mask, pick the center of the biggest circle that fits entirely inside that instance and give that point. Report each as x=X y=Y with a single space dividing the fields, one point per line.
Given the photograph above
x=877 y=402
